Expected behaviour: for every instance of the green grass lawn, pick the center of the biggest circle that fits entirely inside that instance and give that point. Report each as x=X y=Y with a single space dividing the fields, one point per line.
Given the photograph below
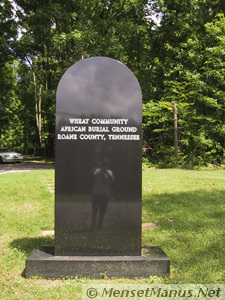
x=187 y=207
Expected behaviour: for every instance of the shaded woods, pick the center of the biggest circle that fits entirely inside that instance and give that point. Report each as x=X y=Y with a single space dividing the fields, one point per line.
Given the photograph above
x=175 y=48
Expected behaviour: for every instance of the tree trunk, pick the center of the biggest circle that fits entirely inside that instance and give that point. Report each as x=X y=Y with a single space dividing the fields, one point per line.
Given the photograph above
x=175 y=134
x=38 y=108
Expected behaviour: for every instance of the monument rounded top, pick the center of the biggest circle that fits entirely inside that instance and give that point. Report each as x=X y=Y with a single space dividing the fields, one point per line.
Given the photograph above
x=99 y=85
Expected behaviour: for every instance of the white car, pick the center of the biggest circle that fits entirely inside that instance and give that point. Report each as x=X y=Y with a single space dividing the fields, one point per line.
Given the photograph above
x=7 y=155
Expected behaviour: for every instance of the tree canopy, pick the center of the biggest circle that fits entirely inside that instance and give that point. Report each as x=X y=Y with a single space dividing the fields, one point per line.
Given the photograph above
x=175 y=48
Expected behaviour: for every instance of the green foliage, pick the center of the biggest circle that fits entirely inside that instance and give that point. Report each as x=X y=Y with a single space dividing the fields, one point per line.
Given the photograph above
x=190 y=61
x=178 y=60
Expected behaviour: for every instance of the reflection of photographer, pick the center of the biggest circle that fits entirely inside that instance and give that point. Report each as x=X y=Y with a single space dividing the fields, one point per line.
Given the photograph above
x=103 y=178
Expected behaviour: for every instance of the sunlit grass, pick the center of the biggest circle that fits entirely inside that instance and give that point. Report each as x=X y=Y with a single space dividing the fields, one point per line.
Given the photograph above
x=187 y=207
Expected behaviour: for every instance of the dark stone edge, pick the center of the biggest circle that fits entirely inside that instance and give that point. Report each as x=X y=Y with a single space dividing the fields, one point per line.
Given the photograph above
x=42 y=263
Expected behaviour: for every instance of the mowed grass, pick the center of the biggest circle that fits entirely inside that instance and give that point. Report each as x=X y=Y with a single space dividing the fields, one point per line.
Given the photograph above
x=188 y=208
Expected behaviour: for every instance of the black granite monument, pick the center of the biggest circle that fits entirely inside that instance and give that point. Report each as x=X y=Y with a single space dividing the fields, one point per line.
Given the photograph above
x=98 y=177
x=98 y=160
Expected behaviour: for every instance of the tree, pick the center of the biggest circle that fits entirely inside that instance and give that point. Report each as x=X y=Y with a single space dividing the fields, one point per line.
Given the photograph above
x=8 y=32
x=178 y=60
x=57 y=34
x=180 y=52
x=214 y=94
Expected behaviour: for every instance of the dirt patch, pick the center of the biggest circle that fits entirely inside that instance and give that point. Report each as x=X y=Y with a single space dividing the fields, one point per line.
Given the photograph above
x=47 y=232
x=149 y=226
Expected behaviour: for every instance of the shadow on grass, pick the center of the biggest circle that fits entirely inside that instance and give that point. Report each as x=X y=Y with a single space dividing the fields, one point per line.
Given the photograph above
x=190 y=230
x=185 y=210
x=27 y=245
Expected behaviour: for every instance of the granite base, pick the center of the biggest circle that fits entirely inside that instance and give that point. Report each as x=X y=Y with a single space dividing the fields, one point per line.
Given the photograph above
x=42 y=262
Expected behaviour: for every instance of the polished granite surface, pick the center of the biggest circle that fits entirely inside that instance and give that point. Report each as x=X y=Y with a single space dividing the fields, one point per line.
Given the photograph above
x=98 y=160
